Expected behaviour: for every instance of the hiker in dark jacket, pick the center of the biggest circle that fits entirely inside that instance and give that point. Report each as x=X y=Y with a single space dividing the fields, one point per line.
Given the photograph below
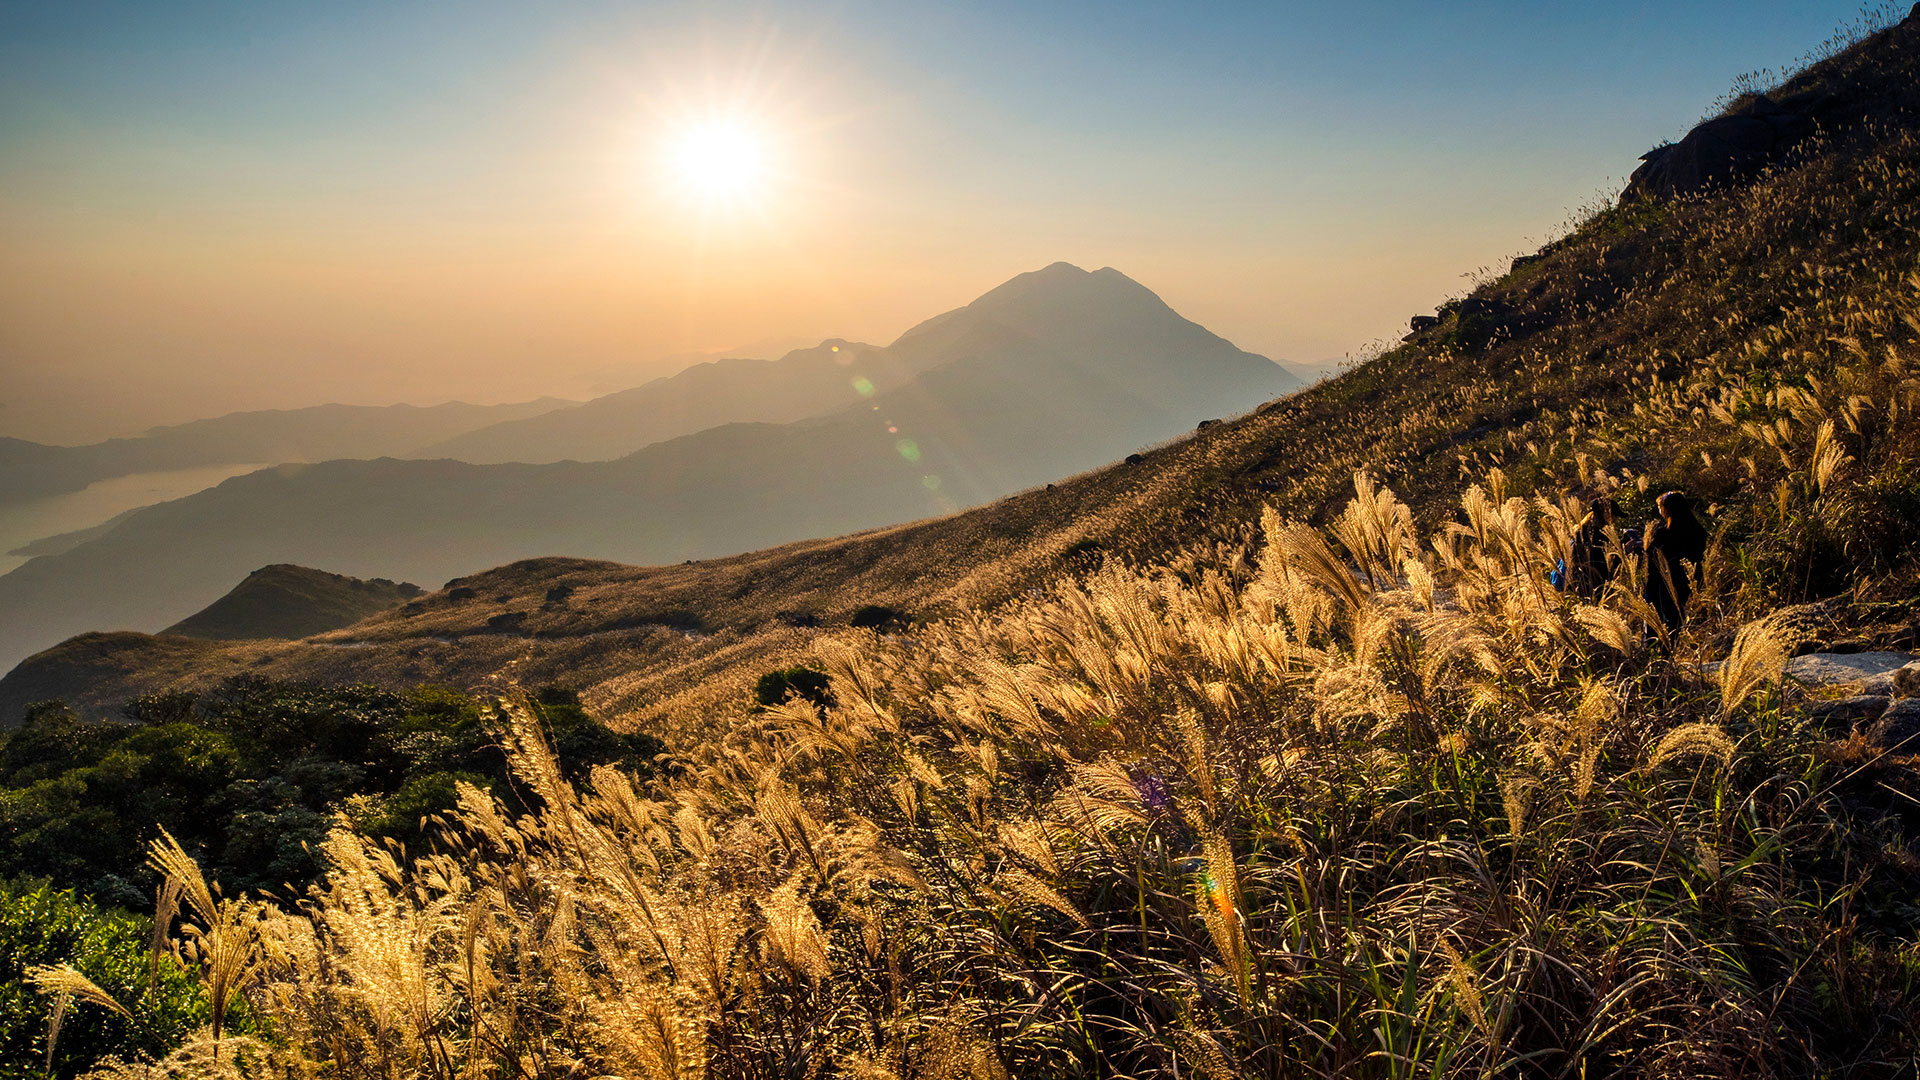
x=1672 y=542
x=1593 y=565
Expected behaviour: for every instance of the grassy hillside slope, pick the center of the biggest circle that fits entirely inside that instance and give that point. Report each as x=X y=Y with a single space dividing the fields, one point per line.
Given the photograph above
x=283 y=601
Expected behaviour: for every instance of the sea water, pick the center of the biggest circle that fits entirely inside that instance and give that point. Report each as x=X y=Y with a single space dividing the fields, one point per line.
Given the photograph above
x=23 y=523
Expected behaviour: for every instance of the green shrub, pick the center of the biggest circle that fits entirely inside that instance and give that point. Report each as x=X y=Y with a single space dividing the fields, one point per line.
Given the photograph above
x=249 y=777
x=40 y=925
x=1085 y=549
x=581 y=742
x=878 y=617
x=777 y=686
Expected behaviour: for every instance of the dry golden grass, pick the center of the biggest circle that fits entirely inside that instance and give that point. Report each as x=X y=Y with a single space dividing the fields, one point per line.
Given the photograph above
x=1288 y=809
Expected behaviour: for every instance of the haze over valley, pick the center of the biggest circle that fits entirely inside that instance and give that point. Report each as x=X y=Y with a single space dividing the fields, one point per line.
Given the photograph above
x=1056 y=371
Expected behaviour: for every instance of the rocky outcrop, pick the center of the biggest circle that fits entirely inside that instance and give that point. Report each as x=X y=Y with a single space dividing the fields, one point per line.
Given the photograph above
x=1898 y=729
x=1848 y=711
x=1887 y=705
x=1873 y=671
x=1723 y=151
x=1870 y=86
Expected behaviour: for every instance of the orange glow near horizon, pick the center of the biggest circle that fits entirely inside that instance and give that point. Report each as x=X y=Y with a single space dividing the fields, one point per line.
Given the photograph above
x=492 y=202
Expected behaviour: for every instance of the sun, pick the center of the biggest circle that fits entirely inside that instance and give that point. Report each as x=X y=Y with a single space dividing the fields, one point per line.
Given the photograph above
x=720 y=163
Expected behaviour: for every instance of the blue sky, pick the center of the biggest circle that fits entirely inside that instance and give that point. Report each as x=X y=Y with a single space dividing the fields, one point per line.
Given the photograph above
x=211 y=205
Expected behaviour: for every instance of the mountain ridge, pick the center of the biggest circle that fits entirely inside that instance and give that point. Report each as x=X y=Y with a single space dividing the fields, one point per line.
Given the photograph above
x=800 y=384
x=314 y=432
x=993 y=410
x=288 y=601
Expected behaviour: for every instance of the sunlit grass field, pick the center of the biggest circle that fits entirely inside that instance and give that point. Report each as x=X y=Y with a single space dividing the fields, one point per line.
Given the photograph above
x=1349 y=804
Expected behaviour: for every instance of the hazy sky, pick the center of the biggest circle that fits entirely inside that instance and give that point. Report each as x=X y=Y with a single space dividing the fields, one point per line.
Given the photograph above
x=212 y=206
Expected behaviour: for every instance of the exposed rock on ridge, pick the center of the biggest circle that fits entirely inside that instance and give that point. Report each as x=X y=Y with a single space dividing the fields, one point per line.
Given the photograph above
x=1764 y=130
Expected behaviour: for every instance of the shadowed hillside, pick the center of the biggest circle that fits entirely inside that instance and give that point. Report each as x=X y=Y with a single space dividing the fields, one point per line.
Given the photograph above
x=803 y=383
x=283 y=601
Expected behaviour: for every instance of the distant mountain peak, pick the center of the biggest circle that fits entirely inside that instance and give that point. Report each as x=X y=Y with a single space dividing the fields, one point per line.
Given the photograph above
x=1101 y=314
x=1065 y=282
x=1066 y=271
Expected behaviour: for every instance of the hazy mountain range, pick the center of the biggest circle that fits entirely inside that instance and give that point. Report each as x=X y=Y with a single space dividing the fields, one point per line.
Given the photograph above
x=803 y=383
x=320 y=433
x=1052 y=373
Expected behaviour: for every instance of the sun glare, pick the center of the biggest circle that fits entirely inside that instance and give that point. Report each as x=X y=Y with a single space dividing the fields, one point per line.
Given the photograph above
x=722 y=164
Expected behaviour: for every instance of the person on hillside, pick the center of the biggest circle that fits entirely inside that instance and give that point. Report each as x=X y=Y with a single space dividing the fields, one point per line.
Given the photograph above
x=1593 y=566
x=1675 y=544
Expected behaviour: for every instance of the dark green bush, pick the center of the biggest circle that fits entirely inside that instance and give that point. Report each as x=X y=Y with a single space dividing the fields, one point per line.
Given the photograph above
x=878 y=617
x=41 y=925
x=581 y=742
x=777 y=686
x=249 y=777
x=1085 y=549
